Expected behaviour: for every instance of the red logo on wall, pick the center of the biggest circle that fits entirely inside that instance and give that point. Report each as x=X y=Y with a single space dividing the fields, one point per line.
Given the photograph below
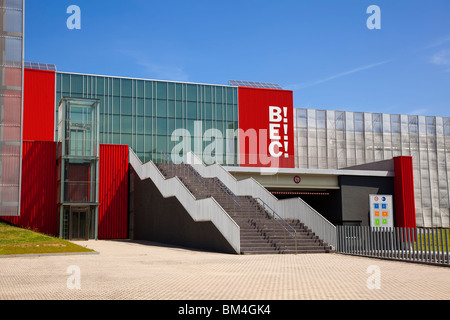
x=297 y=179
x=266 y=128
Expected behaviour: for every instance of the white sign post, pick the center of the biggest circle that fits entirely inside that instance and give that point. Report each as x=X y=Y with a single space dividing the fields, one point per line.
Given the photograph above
x=381 y=211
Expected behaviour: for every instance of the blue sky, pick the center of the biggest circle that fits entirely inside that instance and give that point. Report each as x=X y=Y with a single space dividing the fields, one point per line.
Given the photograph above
x=320 y=49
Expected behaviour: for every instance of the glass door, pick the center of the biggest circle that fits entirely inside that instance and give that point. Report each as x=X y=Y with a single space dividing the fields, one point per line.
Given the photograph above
x=79 y=223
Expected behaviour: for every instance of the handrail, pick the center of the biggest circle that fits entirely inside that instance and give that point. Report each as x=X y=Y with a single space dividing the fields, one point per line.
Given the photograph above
x=266 y=205
x=226 y=190
x=194 y=173
x=166 y=159
x=275 y=213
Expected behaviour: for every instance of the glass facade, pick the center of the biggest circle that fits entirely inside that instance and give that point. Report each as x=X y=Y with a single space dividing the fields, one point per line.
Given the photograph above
x=327 y=139
x=11 y=83
x=144 y=114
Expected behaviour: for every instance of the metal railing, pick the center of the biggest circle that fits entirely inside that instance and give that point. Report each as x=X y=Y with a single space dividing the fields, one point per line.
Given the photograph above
x=227 y=191
x=410 y=244
x=189 y=171
x=269 y=211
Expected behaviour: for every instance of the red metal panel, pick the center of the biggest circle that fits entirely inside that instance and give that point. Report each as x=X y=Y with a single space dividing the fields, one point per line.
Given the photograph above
x=39 y=105
x=405 y=211
x=38 y=195
x=113 y=192
x=78 y=188
x=259 y=111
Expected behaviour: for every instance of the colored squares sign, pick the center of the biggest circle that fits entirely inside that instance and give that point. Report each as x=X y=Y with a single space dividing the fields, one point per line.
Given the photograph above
x=381 y=212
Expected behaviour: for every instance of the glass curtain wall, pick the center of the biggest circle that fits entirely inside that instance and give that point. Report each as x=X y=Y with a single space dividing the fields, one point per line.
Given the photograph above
x=328 y=139
x=144 y=114
x=11 y=91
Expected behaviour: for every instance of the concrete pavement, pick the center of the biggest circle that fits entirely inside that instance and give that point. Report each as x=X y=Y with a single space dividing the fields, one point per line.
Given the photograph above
x=125 y=270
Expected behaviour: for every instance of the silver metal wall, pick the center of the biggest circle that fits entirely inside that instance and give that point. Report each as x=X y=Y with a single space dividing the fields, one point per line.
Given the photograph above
x=338 y=139
x=11 y=84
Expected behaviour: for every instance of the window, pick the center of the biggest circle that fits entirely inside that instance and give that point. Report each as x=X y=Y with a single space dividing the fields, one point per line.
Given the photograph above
x=171 y=91
x=321 y=120
x=161 y=108
x=192 y=110
x=377 y=124
x=447 y=127
x=395 y=123
x=161 y=88
x=359 y=122
x=126 y=106
x=126 y=124
x=126 y=88
x=340 y=121
x=412 y=124
x=431 y=126
x=301 y=118
x=161 y=126
x=191 y=92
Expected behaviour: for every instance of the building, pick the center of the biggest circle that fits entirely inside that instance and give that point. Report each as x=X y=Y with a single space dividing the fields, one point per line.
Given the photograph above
x=105 y=157
x=336 y=140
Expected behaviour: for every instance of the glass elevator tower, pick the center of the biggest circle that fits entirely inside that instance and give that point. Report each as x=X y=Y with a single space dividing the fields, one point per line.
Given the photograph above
x=78 y=161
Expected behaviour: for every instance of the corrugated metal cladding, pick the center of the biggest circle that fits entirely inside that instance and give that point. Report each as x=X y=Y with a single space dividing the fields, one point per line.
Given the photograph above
x=39 y=105
x=39 y=211
x=405 y=213
x=113 y=192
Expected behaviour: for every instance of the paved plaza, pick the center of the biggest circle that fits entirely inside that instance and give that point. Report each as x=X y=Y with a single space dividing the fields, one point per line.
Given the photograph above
x=125 y=270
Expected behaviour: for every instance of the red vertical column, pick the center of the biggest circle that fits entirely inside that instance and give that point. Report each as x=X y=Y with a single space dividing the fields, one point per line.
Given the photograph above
x=113 y=192
x=38 y=208
x=405 y=211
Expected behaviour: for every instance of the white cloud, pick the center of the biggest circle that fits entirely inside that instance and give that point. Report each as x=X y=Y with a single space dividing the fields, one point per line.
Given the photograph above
x=157 y=71
x=418 y=112
x=439 y=42
x=165 y=72
x=442 y=58
x=333 y=77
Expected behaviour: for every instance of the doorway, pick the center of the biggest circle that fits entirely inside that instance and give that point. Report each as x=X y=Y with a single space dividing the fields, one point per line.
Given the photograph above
x=79 y=219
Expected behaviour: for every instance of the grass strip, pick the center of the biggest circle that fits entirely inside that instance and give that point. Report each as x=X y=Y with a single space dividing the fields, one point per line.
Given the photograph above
x=15 y=240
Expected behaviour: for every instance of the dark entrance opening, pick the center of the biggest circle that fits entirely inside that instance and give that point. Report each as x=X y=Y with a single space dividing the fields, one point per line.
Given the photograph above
x=79 y=219
x=326 y=202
